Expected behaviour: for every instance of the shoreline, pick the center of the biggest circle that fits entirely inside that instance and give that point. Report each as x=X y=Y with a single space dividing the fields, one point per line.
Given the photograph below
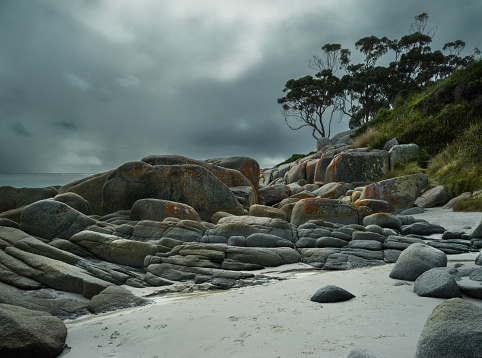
x=272 y=320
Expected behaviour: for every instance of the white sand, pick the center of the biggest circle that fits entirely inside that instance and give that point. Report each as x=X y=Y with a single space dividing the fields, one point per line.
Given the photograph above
x=275 y=320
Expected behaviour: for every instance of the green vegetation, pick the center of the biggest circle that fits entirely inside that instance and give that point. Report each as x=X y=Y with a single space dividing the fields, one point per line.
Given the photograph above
x=295 y=157
x=445 y=120
x=362 y=90
x=468 y=204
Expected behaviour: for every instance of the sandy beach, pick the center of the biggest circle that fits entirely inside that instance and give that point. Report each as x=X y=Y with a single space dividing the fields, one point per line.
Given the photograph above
x=273 y=320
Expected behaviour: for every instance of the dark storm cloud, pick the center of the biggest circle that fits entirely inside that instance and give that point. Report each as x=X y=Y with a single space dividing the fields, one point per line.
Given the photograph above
x=65 y=125
x=19 y=129
x=102 y=82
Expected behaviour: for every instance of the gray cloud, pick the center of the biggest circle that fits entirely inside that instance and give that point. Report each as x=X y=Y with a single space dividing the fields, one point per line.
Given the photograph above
x=98 y=83
x=19 y=129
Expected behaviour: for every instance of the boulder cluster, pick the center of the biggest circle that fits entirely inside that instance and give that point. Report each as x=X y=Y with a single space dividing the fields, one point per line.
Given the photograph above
x=170 y=219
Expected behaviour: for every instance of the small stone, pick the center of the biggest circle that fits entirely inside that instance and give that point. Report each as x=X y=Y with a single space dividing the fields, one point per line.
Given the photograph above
x=330 y=294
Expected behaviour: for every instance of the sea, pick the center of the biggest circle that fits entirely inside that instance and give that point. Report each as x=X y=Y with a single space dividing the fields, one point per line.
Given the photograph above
x=39 y=180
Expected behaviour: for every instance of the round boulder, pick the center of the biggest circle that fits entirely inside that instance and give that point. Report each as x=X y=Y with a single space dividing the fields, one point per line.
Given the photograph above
x=415 y=260
x=383 y=220
x=331 y=294
x=453 y=330
x=28 y=333
x=437 y=283
x=158 y=210
x=53 y=219
x=267 y=211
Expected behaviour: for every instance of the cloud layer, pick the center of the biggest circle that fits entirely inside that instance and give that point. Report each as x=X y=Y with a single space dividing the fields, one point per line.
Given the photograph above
x=88 y=85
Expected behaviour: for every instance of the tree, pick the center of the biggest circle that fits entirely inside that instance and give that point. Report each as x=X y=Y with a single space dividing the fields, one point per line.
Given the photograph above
x=307 y=101
x=365 y=88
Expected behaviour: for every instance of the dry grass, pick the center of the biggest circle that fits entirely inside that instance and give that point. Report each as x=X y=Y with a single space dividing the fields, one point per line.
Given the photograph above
x=371 y=135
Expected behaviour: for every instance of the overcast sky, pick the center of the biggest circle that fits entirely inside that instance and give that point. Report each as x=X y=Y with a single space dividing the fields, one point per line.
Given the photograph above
x=87 y=85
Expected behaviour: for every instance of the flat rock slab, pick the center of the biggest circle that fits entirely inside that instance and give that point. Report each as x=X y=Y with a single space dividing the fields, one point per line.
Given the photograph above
x=331 y=294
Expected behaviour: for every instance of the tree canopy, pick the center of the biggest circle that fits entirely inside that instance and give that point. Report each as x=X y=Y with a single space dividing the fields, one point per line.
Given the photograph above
x=359 y=91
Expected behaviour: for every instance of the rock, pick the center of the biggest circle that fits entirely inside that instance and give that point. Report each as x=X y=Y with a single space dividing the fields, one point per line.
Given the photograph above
x=374 y=228
x=158 y=210
x=43 y=299
x=366 y=235
x=219 y=215
x=478 y=259
x=266 y=257
x=267 y=211
x=343 y=138
x=321 y=165
x=402 y=153
x=89 y=188
x=317 y=257
x=332 y=190
x=351 y=167
x=273 y=194
x=115 y=298
x=331 y=294
x=114 y=249
x=452 y=202
x=12 y=198
x=433 y=197
x=452 y=235
x=8 y=223
x=476 y=232
x=451 y=247
x=413 y=211
x=324 y=209
x=246 y=166
x=246 y=195
x=421 y=228
x=377 y=206
x=389 y=144
x=75 y=201
x=401 y=192
x=383 y=220
x=296 y=172
x=400 y=242
x=52 y=219
x=28 y=333
x=193 y=185
x=52 y=273
x=391 y=256
x=329 y=242
x=436 y=283
x=362 y=353
x=323 y=142
x=365 y=245
x=347 y=260
x=415 y=260
x=452 y=331
x=267 y=240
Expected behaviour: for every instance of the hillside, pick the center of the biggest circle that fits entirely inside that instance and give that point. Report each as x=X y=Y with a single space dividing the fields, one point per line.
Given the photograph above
x=445 y=120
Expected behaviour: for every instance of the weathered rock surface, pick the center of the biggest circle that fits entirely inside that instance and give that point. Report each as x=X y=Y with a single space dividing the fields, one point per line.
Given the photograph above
x=53 y=219
x=12 y=198
x=436 y=196
x=115 y=298
x=189 y=184
x=417 y=259
x=274 y=193
x=267 y=211
x=28 y=333
x=438 y=283
x=331 y=294
x=476 y=232
x=75 y=201
x=401 y=192
x=402 y=153
x=158 y=210
x=324 y=209
x=351 y=167
x=452 y=331
x=114 y=249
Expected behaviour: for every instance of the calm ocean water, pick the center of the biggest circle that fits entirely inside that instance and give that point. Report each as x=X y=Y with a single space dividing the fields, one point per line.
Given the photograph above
x=39 y=180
